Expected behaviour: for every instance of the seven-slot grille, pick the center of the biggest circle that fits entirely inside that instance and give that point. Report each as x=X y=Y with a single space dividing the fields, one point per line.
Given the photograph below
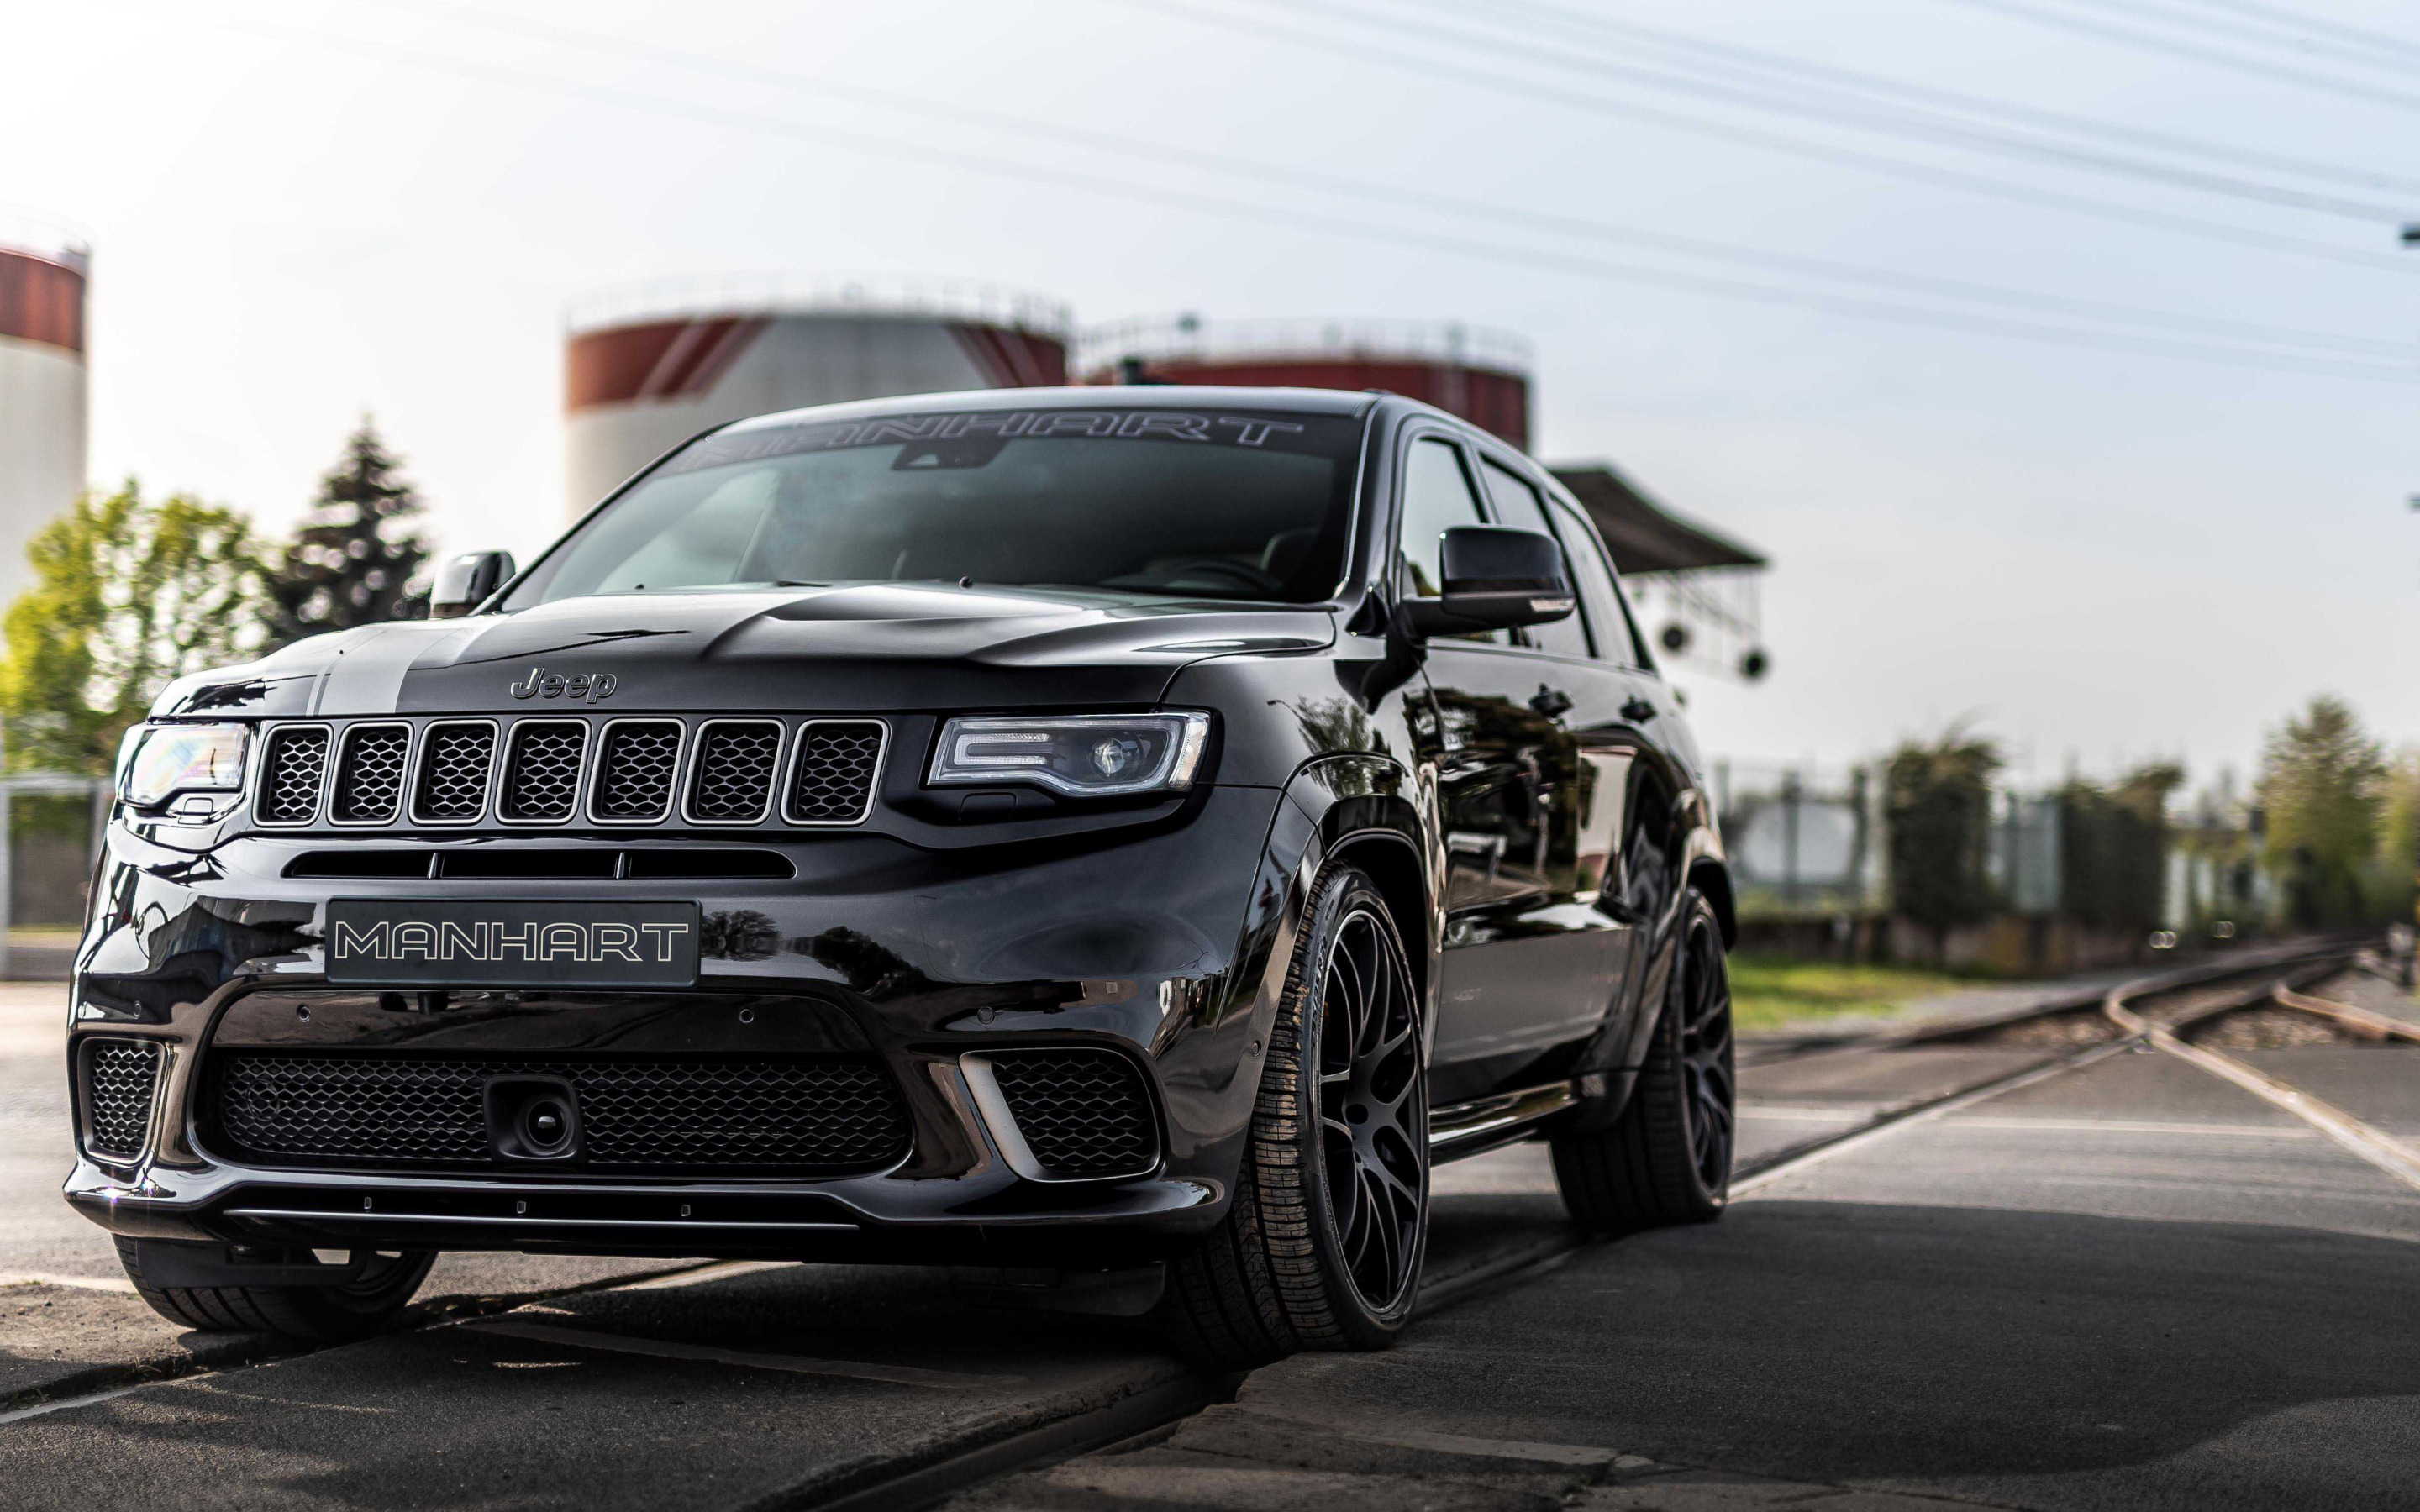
x=119 y=1078
x=293 y=766
x=562 y=769
x=762 y=1115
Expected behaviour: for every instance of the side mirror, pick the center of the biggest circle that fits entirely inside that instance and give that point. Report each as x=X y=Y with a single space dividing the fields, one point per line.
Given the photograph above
x=1496 y=577
x=465 y=583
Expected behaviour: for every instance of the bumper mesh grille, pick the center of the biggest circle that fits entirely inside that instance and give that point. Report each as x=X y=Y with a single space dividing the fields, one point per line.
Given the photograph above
x=732 y=780
x=1082 y=1112
x=369 y=774
x=755 y=1115
x=292 y=772
x=120 y=1079
x=831 y=781
x=542 y=772
x=454 y=773
x=634 y=771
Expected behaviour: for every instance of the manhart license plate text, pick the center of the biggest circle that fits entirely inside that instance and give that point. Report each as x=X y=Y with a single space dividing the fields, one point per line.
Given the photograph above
x=381 y=943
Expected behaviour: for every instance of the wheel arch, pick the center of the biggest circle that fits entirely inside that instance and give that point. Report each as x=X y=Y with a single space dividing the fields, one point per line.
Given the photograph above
x=1712 y=877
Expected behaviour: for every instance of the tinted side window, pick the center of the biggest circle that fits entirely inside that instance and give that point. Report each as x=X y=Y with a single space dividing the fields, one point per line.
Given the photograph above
x=1438 y=496
x=1616 y=637
x=1517 y=504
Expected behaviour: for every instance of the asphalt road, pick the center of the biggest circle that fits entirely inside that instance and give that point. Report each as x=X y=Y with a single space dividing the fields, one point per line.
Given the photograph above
x=2128 y=1286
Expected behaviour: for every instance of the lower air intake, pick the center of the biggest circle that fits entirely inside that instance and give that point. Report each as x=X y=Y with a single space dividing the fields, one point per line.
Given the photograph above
x=120 y=1079
x=1082 y=1113
x=758 y=1116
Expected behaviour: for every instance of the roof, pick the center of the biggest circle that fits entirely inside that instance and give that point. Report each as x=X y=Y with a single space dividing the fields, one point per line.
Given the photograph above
x=1643 y=536
x=1136 y=397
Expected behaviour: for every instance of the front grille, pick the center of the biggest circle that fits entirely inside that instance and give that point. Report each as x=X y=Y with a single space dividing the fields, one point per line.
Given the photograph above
x=542 y=772
x=831 y=778
x=1083 y=1113
x=757 y=1113
x=731 y=781
x=292 y=771
x=120 y=1079
x=454 y=762
x=634 y=770
x=369 y=774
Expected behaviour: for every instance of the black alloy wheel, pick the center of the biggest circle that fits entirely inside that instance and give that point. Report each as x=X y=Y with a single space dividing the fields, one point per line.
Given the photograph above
x=1322 y=1243
x=1372 y=1118
x=1667 y=1157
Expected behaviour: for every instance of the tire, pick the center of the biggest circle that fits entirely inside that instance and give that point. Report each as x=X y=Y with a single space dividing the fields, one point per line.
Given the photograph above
x=336 y=1312
x=1666 y=1158
x=1322 y=1240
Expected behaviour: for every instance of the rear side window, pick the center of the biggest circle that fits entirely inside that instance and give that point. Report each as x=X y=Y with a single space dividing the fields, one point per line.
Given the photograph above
x=1438 y=496
x=1518 y=505
x=1617 y=636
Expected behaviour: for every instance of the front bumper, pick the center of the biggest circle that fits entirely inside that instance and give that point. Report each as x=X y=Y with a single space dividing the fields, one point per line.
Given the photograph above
x=1154 y=945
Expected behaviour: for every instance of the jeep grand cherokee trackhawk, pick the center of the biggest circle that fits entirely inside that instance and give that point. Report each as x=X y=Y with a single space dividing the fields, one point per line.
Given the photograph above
x=1130 y=830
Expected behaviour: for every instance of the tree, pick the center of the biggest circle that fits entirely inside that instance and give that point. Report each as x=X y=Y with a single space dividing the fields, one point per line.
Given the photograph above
x=2113 y=846
x=1937 y=801
x=2322 y=781
x=127 y=596
x=355 y=560
x=2396 y=890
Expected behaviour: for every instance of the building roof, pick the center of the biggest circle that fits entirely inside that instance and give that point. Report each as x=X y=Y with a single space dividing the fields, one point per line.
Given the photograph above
x=1643 y=536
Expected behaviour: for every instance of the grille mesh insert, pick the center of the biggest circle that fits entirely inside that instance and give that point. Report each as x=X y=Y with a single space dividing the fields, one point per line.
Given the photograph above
x=832 y=780
x=369 y=774
x=421 y=1110
x=634 y=771
x=453 y=772
x=1082 y=1112
x=291 y=773
x=733 y=777
x=542 y=772
x=119 y=1076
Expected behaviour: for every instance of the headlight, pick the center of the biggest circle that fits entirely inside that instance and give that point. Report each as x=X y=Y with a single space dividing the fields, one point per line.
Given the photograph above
x=1087 y=755
x=164 y=760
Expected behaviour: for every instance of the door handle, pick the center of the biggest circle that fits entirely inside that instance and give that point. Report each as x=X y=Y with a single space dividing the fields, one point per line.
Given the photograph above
x=1638 y=710
x=1551 y=703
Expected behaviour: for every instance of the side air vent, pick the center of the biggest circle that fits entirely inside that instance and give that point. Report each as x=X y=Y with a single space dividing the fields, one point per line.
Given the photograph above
x=119 y=1080
x=455 y=760
x=293 y=770
x=542 y=772
x=369 y=774
x=635 y=763
x=731 y=779
x=1071 y=1114
x=833 y=773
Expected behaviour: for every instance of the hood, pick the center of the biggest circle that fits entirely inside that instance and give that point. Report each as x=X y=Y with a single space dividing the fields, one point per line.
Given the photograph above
x=870 y=648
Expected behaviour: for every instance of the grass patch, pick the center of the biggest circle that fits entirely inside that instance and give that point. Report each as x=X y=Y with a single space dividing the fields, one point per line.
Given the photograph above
x=1771 y=992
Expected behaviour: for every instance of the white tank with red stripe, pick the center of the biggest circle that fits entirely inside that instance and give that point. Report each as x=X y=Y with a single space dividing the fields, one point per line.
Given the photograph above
x=646 y=369
x=43 y=386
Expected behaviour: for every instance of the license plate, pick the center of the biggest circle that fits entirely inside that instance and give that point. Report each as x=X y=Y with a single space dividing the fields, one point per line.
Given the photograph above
x=452 y=943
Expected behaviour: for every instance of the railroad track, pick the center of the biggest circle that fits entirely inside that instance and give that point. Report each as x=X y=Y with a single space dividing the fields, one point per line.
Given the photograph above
x=2157 y=1014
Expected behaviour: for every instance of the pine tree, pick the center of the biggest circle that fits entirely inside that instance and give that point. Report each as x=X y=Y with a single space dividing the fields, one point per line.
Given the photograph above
x=355 y=559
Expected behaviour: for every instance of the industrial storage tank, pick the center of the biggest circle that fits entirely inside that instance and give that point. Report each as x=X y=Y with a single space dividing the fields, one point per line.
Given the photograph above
x=646 y=369
x=1470 y=371
x=42 y=403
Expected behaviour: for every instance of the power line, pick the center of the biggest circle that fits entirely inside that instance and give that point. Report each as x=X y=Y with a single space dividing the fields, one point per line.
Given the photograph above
x=1533 y=91
x=1259 y=172
x=1862 y=115
x=1753 y=63
x=1298 y=218
x=2398 y=46
x=2152 y=42
x=2366 y=53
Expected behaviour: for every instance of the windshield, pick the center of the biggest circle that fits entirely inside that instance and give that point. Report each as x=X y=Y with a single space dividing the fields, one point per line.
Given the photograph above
x=1211 y=504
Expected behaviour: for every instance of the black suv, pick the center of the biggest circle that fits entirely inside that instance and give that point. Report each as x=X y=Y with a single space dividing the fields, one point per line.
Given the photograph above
x=1112 y=830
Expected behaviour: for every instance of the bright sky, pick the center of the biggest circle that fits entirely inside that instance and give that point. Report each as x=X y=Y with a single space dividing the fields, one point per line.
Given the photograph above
x=301 y=210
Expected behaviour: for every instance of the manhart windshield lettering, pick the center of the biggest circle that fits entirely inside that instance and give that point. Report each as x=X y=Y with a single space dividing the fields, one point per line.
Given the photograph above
x=494 y=943
x=1258 y=431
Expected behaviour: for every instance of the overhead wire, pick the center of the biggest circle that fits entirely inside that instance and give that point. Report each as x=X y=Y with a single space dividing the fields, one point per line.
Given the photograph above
x=1534 y=92
x=1754 y=63
x=2176 y=48
x=2280 y=36
x=2402 y=47
x=1296 y=218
